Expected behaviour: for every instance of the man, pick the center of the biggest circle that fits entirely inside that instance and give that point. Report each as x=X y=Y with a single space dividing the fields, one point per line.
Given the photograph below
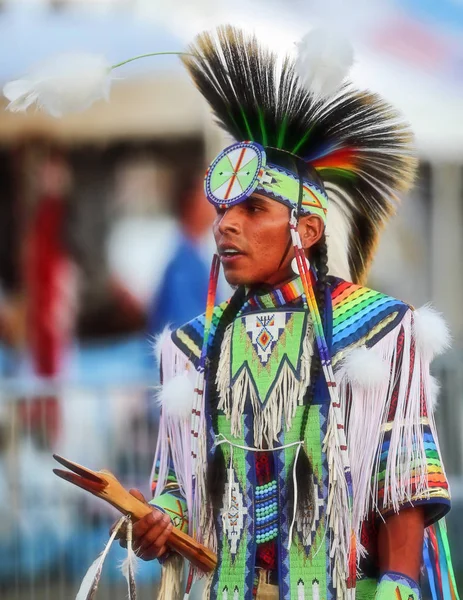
x=297 y=438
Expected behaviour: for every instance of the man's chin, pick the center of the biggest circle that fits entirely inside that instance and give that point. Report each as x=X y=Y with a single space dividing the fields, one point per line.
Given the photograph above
x=235 y=278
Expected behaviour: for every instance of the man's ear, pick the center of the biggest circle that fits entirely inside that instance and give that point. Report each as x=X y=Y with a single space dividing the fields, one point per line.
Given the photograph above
x=311 y=229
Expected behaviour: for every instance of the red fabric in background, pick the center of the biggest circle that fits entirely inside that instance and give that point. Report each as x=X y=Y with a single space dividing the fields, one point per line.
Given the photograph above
x=46 y=264
x=47 y=272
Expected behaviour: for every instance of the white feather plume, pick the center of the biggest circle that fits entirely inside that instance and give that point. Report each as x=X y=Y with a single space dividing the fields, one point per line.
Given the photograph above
x=323 y=61
x=432 y=334
x=176 y=396
x=90 y=582
x=159 y=342
x=337 y=241
x=365 y=367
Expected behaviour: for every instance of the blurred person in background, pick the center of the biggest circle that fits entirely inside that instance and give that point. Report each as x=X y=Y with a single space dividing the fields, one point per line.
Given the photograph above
x=314 y=468
x=50 y=288
x=188 y=268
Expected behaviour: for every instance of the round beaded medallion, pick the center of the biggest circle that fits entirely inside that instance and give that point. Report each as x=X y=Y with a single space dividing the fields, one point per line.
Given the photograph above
x=234 y=175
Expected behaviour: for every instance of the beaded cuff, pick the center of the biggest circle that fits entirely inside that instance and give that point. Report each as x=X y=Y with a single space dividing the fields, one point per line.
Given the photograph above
x=396 y=586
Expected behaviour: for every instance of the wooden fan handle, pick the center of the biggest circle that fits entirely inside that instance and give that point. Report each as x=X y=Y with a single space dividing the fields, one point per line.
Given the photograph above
x=184 y=544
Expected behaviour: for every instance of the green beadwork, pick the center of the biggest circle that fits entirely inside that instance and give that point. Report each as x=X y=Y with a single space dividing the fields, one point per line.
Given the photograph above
x=287 y=347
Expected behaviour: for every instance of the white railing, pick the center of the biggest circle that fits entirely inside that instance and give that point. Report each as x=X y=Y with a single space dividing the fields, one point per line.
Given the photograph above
x=51 y=531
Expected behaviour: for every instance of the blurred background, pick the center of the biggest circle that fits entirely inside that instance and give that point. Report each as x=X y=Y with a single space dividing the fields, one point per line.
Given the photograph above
x=104 y=238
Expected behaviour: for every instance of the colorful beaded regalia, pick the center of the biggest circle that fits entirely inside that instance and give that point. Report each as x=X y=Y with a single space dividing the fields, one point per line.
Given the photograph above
x=295 y=419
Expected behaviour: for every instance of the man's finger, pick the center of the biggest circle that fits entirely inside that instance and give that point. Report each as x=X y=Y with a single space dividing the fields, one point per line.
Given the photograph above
x=154 y=544
x=138 y=495
x=143 y=525
x=123 y=543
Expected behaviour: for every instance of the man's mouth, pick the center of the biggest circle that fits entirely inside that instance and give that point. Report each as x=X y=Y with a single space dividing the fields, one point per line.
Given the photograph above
x=229 y=253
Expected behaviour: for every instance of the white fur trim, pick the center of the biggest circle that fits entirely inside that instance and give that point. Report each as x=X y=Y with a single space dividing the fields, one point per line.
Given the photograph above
x=159 y=342
x=366 y=367
x=434 y=390
x=337 y=241
x=176 y=396
x=432 y=334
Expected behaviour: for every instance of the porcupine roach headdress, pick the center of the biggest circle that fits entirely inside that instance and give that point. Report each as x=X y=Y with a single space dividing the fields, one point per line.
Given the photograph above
x=346 y=156
x=355 y=141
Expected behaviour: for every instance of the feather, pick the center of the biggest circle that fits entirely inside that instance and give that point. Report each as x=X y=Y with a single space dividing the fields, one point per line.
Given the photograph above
x=337 y=239
x=129 y=566
x=90 y=582
x=159 y=342
x=354 y=141
x=323 y=61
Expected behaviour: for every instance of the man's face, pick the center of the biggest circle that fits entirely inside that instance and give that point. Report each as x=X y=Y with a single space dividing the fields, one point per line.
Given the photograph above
x=252 y=238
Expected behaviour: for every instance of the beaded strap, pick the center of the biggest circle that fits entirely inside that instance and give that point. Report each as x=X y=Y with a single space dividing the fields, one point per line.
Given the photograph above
x=266 y=502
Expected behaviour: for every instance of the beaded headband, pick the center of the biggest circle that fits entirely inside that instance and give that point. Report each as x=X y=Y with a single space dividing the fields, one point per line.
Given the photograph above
x=242 y=169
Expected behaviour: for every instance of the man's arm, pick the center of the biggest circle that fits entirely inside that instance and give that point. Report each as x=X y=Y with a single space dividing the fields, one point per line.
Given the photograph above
x=400 y=542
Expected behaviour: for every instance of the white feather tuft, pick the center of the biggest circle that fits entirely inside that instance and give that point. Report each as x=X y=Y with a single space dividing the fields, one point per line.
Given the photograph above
x=365 y=367
x=159 y=342
x=323 y=61
x=432 y=334
x=434 y=389
x=337 y=241
x=176 y=397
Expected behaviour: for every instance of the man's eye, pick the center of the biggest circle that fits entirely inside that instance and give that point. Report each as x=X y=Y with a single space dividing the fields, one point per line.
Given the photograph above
x=220 y=211
x=253 y=208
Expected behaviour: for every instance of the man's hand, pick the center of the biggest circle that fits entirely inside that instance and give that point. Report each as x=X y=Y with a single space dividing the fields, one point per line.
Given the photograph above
x=149 y=534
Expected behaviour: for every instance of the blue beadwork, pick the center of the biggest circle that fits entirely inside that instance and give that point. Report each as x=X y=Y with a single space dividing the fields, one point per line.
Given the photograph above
x=266 y=512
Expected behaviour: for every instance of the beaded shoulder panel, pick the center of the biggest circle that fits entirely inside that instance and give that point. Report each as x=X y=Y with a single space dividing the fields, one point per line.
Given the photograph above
x=361 y=316
x=189 y=337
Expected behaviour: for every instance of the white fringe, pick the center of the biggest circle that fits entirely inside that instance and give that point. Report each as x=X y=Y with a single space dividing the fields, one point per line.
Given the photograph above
x=287 y=393
x=174 y=439
x=172 y=576
x=174 y=426
x=371 y=404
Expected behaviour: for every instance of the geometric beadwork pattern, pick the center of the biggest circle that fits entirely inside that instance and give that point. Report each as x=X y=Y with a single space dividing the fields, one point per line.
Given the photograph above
x=263 y=342
x=264 y=331
x=233 y=513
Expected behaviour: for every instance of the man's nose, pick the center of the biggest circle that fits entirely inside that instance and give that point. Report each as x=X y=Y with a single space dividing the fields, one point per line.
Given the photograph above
x=229 y=221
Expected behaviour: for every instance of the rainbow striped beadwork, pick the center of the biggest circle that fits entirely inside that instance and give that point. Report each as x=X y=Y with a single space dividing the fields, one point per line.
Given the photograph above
x=266 y=512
